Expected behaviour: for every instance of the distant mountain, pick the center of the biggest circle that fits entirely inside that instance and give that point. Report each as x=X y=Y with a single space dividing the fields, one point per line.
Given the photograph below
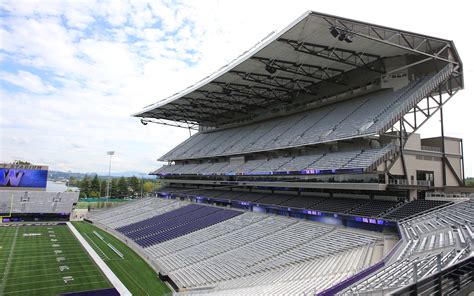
x=58 y=175
x=128 y=174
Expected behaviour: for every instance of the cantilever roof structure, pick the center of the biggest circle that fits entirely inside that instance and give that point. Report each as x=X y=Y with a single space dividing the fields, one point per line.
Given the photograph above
x=316 y=47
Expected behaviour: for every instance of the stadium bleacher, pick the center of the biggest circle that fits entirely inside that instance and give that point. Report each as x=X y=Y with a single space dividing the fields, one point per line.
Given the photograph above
x=26 y=202
x=358 y=159
x=415 y=207
x=327 y=123
x=442 y=235
x=250 y=253
x=390 y=210
x=228 y=253
x=175 y=223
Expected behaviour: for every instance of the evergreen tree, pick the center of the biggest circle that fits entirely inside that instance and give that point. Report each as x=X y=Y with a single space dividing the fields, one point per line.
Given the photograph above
x=72 y=181
x=85 y=185
x=135 y=184
x=103 y=187
x=114 y=188
x=95 y=186
x=122 y=187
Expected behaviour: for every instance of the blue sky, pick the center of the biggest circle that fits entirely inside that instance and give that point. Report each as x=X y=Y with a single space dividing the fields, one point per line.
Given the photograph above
x=72 y=72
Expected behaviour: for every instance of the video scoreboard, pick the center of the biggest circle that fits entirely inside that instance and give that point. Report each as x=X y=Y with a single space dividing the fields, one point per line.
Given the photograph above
x=20 y=176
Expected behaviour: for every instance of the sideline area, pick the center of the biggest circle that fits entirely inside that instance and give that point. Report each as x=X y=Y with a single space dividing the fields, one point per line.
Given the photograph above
x=105 y=269
x=134 y=272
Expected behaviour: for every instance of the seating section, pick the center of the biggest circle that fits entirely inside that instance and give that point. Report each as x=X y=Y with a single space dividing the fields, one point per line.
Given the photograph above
x=446 y=232
x=216 y=251
x=302 y=279
x=357 y=159
x=26 y=202
x=263 y=245
x=353 y=206
x=364 y=115
x=175 y=223
x=415 y=207
x=338 y=205
x=374 y=208
x=135 y=211
x=246 y=250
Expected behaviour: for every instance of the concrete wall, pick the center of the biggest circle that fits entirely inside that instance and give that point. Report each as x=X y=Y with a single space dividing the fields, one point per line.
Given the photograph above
x=417 y=159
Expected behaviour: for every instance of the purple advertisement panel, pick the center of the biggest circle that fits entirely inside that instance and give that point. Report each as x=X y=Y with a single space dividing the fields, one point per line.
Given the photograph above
x=23 y=178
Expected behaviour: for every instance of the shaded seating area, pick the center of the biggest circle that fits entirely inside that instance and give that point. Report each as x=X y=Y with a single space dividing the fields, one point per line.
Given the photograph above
x=374 y=208
x=415 y=207
x=340 y=204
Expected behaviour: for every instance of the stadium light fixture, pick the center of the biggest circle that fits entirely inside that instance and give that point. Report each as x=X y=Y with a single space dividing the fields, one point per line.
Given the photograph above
x=334 y=31
x=270 y=69
x=110 y=154
x=342 y=36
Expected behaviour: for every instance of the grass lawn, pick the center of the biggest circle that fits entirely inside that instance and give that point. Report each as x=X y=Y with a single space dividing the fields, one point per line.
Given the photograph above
x=133 y=271
x=45 y=260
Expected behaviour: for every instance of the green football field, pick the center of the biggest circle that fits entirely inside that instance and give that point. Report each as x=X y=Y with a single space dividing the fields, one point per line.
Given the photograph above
x=45 y=260
x=132 y=270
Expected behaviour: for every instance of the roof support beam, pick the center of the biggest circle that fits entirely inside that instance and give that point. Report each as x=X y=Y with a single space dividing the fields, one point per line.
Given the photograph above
x=176 y=115
x=260 y=92
x=344 y=56
x=196 y=109
x=312 y=71
x=186 y=125
x=213 y=105
x=400 y=39
x=283 y=83
x=221 y=97
x=425 y=108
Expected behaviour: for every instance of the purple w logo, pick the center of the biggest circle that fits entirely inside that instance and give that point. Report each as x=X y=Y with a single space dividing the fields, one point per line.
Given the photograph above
x=11 y=178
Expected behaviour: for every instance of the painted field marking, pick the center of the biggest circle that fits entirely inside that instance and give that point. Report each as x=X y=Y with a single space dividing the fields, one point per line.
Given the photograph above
x=105 y=269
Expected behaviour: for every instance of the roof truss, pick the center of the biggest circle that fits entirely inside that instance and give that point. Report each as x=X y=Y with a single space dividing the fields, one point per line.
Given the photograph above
x=243 y=101
x=279 y=82
x=412 y=42
x=310 y=71
x=266 y=93
x=344 y=56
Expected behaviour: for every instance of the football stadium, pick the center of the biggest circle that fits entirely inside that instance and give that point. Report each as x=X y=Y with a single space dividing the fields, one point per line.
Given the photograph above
x=305 y=174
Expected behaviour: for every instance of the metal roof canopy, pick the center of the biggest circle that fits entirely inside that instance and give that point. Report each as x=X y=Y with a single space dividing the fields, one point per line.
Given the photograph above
x=289 y=63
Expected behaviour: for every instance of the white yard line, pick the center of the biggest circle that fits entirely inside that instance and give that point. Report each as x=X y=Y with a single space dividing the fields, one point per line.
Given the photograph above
x=105 y=269
x=10 y=258
x=103 y=254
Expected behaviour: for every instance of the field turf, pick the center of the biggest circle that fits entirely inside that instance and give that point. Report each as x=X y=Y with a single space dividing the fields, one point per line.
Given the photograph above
x=132 y=270
x=45 y=260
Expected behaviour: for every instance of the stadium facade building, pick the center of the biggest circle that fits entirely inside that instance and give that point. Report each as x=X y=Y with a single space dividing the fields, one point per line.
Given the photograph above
x=327 y=105
x=317 y=122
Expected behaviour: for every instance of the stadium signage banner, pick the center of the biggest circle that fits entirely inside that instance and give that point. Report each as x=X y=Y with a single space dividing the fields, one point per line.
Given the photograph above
x=32 y=178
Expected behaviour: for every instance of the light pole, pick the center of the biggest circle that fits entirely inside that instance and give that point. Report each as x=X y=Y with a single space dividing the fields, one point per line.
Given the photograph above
x=110 y=154
x=141 y=185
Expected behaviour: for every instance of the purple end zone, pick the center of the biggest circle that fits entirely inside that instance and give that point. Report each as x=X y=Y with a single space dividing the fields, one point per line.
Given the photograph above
x=101 y=292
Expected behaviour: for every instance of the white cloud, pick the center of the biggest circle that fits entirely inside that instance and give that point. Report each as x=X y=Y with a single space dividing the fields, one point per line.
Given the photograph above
x=27 y=81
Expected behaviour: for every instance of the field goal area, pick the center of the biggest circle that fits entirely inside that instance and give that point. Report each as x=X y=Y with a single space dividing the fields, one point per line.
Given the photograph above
x=45 y=259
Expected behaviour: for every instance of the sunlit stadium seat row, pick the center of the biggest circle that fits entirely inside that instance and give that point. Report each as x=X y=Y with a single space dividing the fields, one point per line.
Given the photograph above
x=347 y=119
